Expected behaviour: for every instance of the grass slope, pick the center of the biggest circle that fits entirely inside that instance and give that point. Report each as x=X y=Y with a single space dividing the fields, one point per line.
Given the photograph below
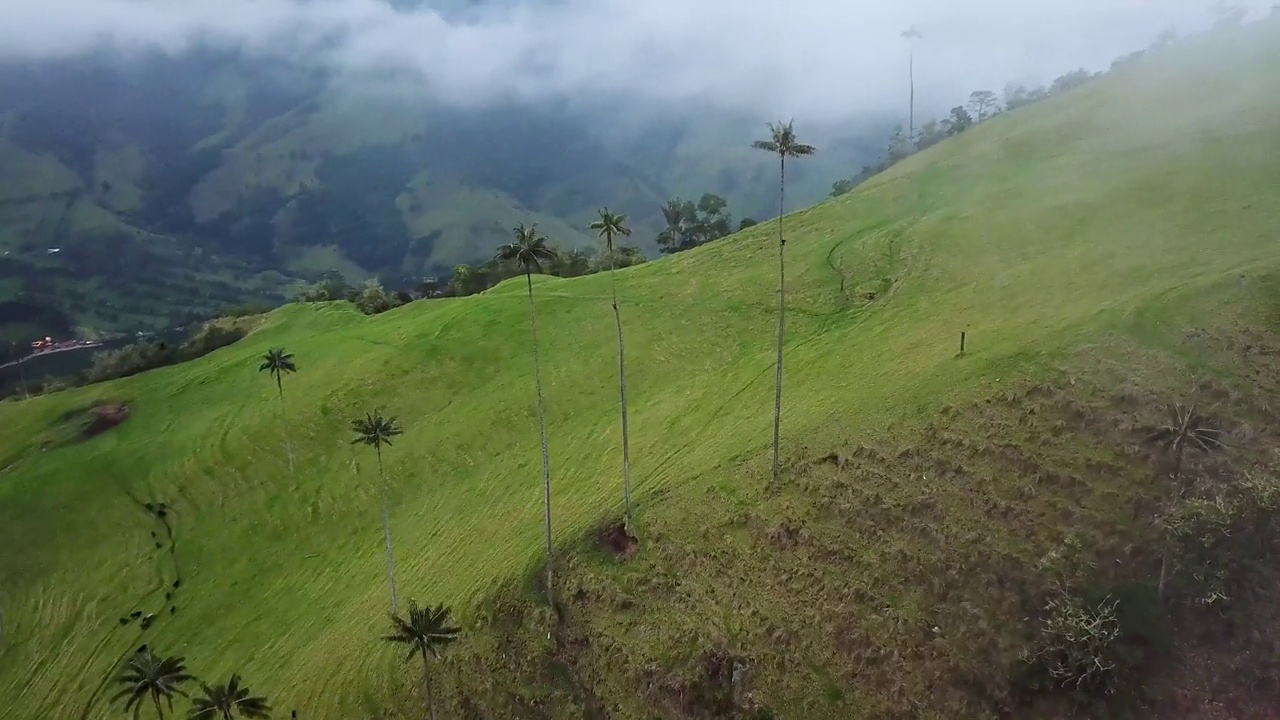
x=1031 y=232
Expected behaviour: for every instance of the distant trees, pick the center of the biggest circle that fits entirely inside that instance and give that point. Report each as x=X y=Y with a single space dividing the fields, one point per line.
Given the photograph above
x=376 y=430
x=959 y=121
x=280 y=363
x=608 y=226
x=427 y=632
x=692 y=224
x=782 y=141
x=984 y=104
x=373 y=298
x=148 y=676
x=529 y=250
x=1017 y=95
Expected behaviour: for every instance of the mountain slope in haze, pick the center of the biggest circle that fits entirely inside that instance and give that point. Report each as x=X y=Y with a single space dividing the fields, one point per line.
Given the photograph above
x=174 y=186
x=1117 y=240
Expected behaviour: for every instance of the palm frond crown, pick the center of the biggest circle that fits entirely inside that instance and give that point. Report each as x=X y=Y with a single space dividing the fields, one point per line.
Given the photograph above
x=1187 y=429
x=528 y=249
x=228 y=700
x=375 y=429
x=148 y=675
x=278 y=362
x=782 y=141
x=609 y=225
x=426 y=630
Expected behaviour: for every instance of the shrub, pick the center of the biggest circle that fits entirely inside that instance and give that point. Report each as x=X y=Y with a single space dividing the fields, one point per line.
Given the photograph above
x=1218 y=545
x=1077 y=646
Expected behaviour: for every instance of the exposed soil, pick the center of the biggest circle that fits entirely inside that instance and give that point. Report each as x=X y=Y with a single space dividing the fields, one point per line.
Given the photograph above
x=103 y=418
x=617 y=540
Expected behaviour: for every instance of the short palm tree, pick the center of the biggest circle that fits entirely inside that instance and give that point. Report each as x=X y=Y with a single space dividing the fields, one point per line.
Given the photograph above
x=376 y=430
x=612 y=225
x=227 y=702
x=280 y=363
x=529 y=250
x=147 y=675
x=426 y=631
x=782 y=141
x=1186 y=429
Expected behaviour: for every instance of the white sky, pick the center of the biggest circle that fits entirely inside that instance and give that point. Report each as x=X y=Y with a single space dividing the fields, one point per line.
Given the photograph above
x=819 y=59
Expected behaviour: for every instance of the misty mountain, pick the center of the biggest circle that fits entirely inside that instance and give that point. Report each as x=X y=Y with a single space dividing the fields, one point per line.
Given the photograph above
x=140 y=191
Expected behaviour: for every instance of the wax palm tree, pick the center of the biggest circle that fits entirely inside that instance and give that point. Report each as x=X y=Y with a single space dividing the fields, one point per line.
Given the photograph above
x=147 y=675
x=280 y=363
x=426 y=631
x=529 y=250
x=376 y=430
x=1186 y=429
x=912 y=34
x=783 y=142
x=227 y=702
x=608 y=226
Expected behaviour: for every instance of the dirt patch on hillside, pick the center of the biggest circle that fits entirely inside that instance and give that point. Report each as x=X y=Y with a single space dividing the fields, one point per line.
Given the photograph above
x=617 y=540
x=103 y=418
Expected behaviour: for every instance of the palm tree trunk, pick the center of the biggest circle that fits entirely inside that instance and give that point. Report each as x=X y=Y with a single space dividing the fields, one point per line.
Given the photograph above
x=911 y=66
x=782 y=315
x=542 y=426
x=284 y=420
x=426 y=688
x=386 y=529
x=622 y=391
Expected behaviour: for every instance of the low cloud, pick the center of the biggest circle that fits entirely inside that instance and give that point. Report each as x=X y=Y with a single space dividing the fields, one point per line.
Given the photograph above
x=820 y=59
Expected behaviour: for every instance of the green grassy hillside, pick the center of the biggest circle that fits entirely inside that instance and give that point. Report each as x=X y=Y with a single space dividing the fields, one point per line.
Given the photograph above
x=1124 y=206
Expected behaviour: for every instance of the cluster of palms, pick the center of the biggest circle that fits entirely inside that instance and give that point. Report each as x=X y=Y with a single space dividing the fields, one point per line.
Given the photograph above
x=428 y=630
x=150 y=676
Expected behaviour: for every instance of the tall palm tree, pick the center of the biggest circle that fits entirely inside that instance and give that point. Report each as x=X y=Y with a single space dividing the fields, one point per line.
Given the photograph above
x=280 y=363
x=608 y=226
x=427 y=631
x=147 y=675
x=782 y=141
x=912 y=34
x=376 y=430
x=529 y=250
x=228 y=702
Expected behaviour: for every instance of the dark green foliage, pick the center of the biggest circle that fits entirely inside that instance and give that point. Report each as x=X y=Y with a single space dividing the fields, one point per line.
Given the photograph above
x=331 y=286
x=692 y=224
x=959 y=120
x=140 y=357
x=149 y=676
x=278 y=363
x=529 y=250
x=354 y=207
x=228 y=701
x=427 y=632
x=375 y=430
x=374 y=299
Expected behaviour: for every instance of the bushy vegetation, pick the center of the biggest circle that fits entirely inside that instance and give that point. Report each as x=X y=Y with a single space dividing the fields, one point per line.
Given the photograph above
x=143 y=356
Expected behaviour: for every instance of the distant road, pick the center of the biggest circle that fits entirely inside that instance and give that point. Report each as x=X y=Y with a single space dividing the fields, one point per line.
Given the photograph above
x=54 y=351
